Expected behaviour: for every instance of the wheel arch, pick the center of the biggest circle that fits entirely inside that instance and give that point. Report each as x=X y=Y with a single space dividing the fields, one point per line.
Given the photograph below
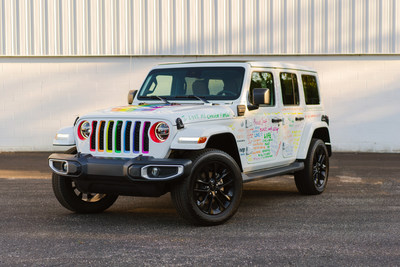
x=323 y=134
x=225 y=142
x=317 y=130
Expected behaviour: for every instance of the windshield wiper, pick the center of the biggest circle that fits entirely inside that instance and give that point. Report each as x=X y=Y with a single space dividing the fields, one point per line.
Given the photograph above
x=193 y=97
x=157 y=97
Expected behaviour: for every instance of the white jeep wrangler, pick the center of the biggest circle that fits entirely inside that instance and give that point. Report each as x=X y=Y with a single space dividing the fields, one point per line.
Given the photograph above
x=198 y=130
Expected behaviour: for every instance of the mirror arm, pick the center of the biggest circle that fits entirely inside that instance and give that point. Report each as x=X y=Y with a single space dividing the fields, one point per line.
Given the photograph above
x=131 y=96
x=252 y=107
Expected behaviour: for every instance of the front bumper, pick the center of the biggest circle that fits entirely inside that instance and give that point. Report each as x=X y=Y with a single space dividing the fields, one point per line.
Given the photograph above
x=144 y=176
x=137 y=169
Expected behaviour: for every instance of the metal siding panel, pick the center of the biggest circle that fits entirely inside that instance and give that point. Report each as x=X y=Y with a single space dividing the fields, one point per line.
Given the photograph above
x=276 y=27
x=386 y=26
x=235 y=23
x=191 y=28
x=318 y=32
x=2 y=28
x=396 y=27
x=290 y=26
x=198 y=27
x=358 y=27
x=270 y=27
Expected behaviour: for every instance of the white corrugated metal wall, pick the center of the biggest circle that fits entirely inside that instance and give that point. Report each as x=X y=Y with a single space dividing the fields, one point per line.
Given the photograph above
x=198 y=27
x=61 y=58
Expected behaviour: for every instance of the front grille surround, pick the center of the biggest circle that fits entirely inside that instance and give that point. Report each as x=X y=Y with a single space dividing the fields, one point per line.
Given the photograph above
x=120 y=137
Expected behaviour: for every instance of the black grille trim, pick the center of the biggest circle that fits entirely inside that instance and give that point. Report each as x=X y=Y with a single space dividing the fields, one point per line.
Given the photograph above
x=136 y=137
x=118 y=137
x=145 y=144
x=110 y=136
x=127 y=135
x=101 y=135
x=93 y=136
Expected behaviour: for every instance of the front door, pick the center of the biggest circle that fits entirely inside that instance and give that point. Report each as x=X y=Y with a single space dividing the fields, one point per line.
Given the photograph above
x=263 y=142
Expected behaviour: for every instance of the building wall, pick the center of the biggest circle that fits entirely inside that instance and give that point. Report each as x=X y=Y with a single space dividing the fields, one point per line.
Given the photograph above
x=198 y=27
x=40 y=95
x=61 y=58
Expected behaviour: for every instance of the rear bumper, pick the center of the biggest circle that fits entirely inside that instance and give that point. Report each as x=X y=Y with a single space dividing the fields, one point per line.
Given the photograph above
x=139 y=169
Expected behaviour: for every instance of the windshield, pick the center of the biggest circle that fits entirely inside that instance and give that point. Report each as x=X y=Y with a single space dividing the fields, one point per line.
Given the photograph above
x=207 y=83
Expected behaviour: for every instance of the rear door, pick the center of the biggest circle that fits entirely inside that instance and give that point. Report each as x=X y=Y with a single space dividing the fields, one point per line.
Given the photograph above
x=293 y=114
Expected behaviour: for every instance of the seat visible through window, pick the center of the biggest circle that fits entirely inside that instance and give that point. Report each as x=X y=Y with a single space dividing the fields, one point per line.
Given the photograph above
x=200 y=88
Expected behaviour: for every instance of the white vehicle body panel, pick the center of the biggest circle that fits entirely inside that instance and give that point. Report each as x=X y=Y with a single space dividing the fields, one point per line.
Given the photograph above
x=260 y=143
x=65 y=137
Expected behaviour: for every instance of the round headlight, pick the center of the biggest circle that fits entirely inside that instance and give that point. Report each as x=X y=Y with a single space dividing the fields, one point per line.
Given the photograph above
x=84 y=130
x=159 y=132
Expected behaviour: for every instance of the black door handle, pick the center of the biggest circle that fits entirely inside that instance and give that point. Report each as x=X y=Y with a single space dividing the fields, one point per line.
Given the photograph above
x=276 y=120
x=299 y=118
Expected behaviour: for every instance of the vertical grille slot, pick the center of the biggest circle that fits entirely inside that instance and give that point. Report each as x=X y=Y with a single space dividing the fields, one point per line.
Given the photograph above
x=93 y=136
x=110 y=128
x=101 y=136
x=145 y=145
x=118 y=137
x=136 y=136
x=127 y=143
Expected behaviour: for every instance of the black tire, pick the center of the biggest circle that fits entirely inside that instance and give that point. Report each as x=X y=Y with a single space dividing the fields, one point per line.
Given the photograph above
x=70 y=197
x=211 y=194
x=312 y=180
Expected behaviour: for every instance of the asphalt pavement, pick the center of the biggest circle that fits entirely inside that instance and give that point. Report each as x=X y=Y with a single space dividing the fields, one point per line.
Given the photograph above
x=355 y=222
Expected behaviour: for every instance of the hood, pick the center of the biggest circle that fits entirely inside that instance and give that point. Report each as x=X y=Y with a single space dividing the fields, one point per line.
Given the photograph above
x=187 y=112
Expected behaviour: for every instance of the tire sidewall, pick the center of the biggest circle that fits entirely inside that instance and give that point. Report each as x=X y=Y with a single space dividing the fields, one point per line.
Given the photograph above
x=316 y=144
x=65 y=194
x=62 y=188
x=195 y=213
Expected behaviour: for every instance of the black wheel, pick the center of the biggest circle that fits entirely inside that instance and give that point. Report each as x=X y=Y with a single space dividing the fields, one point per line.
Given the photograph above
x=69 y=195
x=211 y=194
x=312 y=180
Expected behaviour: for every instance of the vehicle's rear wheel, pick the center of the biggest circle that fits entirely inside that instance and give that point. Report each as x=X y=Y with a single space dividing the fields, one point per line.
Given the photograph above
x=72 y=198
x=212 y=193
x=312 y=180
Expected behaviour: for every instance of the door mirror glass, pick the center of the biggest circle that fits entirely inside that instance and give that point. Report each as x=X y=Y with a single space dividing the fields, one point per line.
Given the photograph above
x=261 y=96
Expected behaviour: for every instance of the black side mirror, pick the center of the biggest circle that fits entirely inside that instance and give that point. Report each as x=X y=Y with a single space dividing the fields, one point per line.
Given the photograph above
x=261 y=96
x=131 y=96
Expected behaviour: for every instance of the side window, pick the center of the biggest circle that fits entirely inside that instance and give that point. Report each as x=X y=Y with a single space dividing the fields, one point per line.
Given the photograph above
x=290 y=89
x=310 y=87
x=262 y=80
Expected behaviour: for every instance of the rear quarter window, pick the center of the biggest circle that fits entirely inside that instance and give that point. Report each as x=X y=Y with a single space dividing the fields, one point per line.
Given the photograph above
x=310 y=86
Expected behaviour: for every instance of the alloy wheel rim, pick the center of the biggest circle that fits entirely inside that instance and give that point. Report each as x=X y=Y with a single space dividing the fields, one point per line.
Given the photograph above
x=87 y=197
x=213 y=188
x=320 y=168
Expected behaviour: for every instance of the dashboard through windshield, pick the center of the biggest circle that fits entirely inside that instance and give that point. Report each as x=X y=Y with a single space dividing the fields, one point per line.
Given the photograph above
x=208 y=83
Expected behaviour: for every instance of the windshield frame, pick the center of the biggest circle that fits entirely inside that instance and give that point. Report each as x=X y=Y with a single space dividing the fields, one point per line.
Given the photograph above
x=234 y=74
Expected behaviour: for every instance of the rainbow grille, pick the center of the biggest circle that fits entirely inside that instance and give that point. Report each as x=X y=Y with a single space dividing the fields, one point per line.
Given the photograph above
x=120 y=136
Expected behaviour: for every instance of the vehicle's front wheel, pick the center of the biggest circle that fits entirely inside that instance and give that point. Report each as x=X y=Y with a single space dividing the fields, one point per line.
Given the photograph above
x=72 y=198
x=212 y=193
x=312 y=180
x=69 y=195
